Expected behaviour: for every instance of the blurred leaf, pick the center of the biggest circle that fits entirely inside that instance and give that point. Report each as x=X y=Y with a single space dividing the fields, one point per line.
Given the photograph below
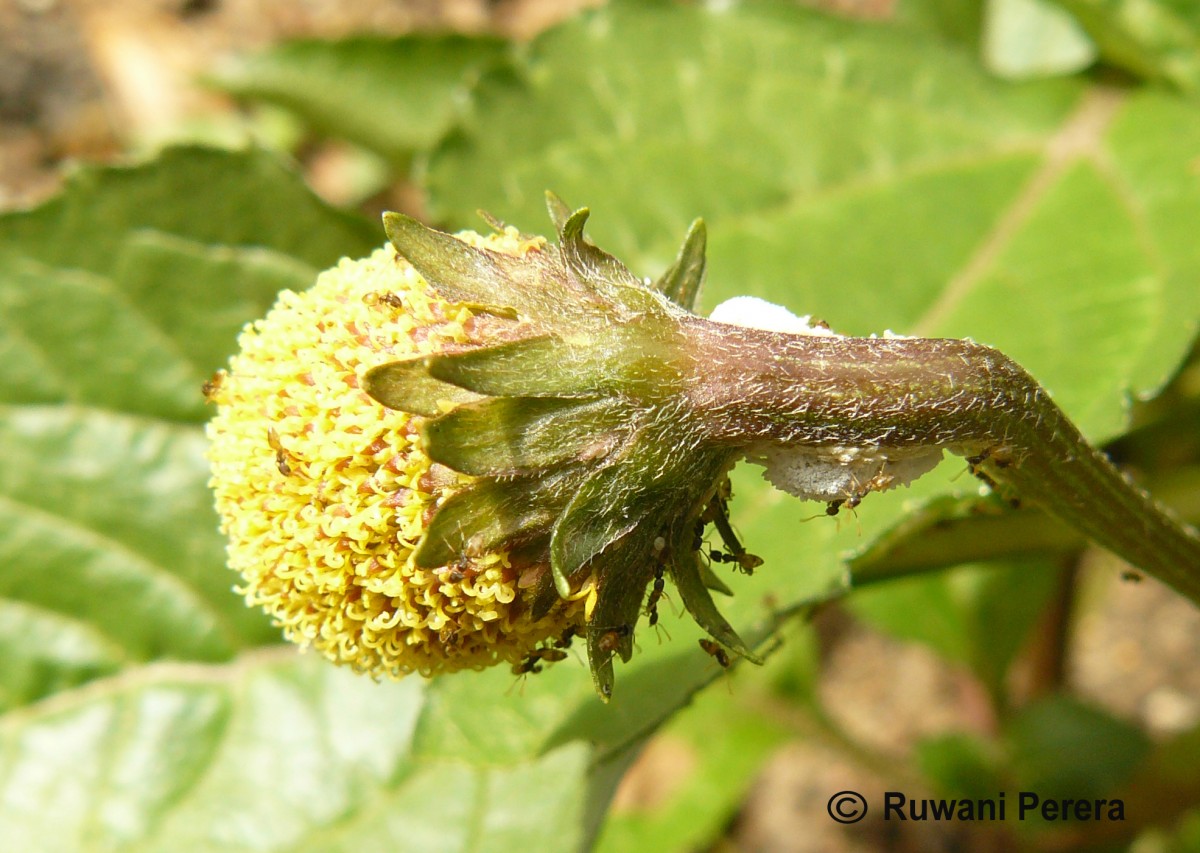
x=960 y=765
x=275 y=751
x=246 y=199
x=954 y=20
x=1152 y=39
x=1166 y=784
x=212 y=292
x=692 y=778
x=950 y=530
x=1025 y=39
x=119 y=298
x=976 y=615
x=272 y=753
x=1060 y=747
x=393 y=96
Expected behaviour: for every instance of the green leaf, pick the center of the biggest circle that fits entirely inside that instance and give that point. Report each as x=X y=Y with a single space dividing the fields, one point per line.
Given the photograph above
x=119 y=298
x=548 y=366
x=246 y=199
x=1054 y=750
x=108 y=526
x=694 y=775
x=976 y=615
x=462 y=273
x=213 y=289
x=274 y=753
x=698 y=602
x=831 y=106
x=1146 y=37
x=393 y=96
x=960 y=765
x=407 y=386
x=609 y=505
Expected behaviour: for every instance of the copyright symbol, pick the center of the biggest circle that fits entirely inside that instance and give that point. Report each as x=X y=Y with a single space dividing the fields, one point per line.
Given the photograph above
x=847 y=807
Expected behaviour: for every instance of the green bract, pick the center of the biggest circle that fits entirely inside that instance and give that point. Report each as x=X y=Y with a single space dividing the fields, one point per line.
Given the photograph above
x=572 y=414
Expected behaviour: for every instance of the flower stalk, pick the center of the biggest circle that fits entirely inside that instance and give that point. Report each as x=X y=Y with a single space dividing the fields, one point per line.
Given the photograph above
x=795 y=390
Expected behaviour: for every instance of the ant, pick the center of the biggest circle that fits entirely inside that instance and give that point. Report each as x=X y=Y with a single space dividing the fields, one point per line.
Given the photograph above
x=459 y=570
x=564 y=641
x=718 y=513
x=533 y=661
x=714 y=649
x=656 y=594
x=747 y=563
x=281 y=455
x=878 y=483
x=611 y=638
x=835 y=506
x=449 y=634
x=392 y=300
x=999 y=455
x=211 y=386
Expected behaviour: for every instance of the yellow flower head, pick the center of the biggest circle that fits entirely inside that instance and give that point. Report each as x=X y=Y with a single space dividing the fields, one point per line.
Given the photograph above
x=325 y=494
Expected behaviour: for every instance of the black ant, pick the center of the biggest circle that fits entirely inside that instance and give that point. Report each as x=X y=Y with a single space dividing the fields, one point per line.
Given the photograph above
x=718 y=513
x=532 y=663
x=656 y=594
x=747 y=563
x=850 y=503
x=564 y=641
x=459 y=570
x=999 y=455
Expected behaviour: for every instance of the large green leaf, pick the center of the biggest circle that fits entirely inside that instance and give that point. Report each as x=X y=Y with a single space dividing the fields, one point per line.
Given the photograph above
x=274 y=751
x=1053 y=747
x=391 y=95
x=117 y=300
x=245 y=199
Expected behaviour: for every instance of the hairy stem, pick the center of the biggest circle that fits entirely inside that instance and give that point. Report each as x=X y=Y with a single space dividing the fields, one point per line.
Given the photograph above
x=901 y=393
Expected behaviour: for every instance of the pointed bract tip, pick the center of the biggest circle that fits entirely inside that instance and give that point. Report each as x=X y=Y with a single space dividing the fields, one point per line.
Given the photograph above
x=558 y=209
